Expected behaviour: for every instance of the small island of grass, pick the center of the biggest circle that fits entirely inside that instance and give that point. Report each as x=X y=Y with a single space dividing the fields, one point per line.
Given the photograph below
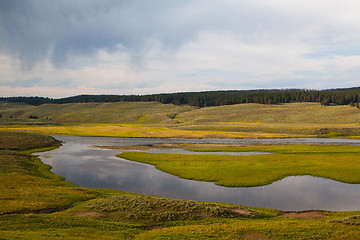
x=339 y=163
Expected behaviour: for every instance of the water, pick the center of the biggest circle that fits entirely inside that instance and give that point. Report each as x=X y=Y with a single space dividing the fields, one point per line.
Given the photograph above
x=93 y=167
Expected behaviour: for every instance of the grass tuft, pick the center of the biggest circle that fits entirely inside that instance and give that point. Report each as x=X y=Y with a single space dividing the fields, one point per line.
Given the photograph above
x=156 y=209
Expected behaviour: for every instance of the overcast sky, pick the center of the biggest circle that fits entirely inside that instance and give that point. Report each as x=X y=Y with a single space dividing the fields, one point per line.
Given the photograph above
x=66 y=47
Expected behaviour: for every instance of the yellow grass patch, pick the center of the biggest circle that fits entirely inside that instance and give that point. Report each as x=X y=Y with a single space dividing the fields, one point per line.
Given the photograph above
x=133 y=130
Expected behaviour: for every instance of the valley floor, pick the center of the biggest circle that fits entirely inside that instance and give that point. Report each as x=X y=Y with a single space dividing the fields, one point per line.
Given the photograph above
x=36 y=204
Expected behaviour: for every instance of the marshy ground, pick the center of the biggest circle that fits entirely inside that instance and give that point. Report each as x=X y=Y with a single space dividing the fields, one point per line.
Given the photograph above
x=341 y=163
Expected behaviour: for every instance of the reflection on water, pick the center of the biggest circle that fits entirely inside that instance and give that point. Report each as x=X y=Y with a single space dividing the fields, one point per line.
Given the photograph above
x=99 y=168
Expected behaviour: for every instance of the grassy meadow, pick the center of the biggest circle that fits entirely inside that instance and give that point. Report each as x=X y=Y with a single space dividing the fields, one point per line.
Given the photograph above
x=36 y=204
x=134 y=130
x=152 y=119
x=341 y=163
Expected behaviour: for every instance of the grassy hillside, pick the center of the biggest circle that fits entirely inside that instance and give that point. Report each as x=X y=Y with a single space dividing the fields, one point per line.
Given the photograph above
x=294 y=113
x=122 y=112
x=153 y=113
x=292 y=118
x=242 y=120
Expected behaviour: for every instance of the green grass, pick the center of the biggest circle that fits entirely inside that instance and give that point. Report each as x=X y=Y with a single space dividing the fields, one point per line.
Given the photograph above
x=341 y=163
x=36 y=204
x=65 y=226
x=258 y=229
x=286 y=149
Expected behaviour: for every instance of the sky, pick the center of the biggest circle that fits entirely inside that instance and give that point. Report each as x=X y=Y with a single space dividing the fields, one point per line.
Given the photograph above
x=65 y=47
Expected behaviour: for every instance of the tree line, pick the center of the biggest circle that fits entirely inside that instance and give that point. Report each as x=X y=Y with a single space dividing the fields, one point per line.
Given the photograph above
x=344 y=96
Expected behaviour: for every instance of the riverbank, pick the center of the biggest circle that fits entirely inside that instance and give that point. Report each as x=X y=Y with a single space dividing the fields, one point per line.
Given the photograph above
x=36 y=204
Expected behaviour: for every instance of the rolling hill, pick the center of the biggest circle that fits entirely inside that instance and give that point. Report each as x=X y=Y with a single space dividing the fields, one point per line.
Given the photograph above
x=289 y=118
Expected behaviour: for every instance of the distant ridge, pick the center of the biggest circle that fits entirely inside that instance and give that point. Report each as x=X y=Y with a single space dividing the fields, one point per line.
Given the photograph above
x=340 y=96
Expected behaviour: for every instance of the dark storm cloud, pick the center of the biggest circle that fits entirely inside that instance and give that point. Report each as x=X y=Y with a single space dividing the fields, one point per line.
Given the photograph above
x=39 y=29
x=32 y=30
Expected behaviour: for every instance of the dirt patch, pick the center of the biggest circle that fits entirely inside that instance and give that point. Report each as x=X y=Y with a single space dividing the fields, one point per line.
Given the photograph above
x=89 y=214
x=251 y=235
x=242 y=211
x=168 y=145
x=305 y=215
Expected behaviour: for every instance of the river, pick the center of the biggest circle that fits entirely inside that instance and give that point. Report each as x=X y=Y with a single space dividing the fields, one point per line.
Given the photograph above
x=81 y=163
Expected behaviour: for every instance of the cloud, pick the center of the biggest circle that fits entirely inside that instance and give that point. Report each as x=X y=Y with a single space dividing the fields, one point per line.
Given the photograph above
x=142 y=46
x=34 y=30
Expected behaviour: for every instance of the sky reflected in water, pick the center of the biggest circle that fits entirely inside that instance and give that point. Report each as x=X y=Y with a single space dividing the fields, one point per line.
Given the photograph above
x=92 y=167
